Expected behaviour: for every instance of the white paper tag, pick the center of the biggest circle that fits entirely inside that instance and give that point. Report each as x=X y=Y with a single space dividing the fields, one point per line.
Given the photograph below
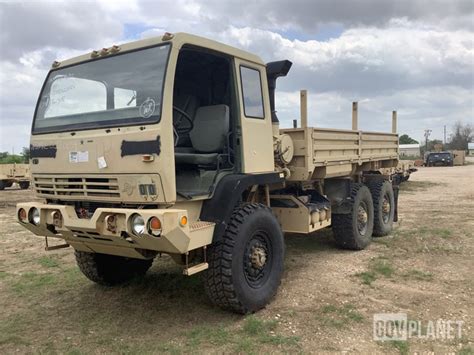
x=79 y=157
x=101 y=162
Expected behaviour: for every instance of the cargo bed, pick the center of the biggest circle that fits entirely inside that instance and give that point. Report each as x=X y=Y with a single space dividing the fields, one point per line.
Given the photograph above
x=321 y=153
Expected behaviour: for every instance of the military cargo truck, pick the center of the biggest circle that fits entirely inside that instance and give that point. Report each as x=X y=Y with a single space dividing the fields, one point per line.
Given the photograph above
x=14 y=173
x=172 y=145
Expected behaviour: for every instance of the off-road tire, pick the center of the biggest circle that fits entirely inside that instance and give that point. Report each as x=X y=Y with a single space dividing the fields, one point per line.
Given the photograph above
x=345 y=226
x=24 y=185
x=110 y=270
x=380 y=190
x=229 y=281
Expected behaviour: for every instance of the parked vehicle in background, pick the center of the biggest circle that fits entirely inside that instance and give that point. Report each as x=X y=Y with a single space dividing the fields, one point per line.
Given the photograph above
x=439 y=159
x=14 y=173
x=459 y=157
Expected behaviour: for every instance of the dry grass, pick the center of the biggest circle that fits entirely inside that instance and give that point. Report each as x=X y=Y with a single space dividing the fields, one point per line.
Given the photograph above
x=423 y=268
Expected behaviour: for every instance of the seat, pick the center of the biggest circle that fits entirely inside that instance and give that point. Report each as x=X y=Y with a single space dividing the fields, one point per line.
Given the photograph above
x=208 y=137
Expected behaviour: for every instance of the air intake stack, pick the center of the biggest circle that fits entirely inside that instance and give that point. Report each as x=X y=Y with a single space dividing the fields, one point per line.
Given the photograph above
x=274 y=71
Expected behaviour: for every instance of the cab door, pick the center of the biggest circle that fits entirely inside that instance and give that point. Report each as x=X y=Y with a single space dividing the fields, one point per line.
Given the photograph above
x=255 y=117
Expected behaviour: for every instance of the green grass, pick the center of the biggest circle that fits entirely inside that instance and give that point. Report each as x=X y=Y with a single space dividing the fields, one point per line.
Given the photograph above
x=256 y=326
x=30 y=283
x=434 y=232
x=466 y=351
x=444 y=233
x=250 y=337
x=428 y=240
x=48 y=261
x=382 y=267
x=377 y=267
x=367 y=277
x=401 y=346
x=339 y=317
x=383 y=241
x=35 y=284
x=410 y=186
x=12 y=330
x=264 y=331
x=209 y=335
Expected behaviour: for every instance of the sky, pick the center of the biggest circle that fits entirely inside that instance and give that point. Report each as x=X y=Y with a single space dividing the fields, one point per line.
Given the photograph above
x=413 y=56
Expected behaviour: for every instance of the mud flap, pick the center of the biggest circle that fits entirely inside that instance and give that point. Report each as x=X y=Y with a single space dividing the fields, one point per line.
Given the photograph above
x=396 y=188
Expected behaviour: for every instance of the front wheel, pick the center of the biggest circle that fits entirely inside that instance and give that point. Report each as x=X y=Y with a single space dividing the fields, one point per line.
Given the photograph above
x=246 y=265
x=110 y=270
x=353 y=230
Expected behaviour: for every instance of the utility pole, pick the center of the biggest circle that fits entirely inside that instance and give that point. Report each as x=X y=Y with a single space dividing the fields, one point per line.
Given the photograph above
x=444 y=135
x=427 y=134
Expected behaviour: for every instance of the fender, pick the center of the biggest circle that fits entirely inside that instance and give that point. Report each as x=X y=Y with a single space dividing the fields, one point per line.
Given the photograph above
x=228 y=194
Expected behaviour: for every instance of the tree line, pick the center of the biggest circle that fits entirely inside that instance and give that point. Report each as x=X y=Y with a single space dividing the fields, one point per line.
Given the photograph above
x=22 y=158
x=461 y=135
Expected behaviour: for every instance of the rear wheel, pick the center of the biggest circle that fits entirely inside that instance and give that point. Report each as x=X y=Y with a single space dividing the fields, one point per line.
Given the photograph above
x=353 y=230
x=110 y=269
x=384 y=206
x=246 y=265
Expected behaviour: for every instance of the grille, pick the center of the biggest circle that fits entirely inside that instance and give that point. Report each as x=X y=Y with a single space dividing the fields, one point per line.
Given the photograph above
x=73 y=187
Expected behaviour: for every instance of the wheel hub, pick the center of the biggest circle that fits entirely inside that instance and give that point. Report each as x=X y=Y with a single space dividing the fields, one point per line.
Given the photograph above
x=386 y=207
x=362 y=215
x=258 y=257
x=362 y=219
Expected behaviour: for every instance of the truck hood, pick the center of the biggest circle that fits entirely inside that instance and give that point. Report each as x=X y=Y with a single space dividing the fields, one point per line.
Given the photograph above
x=132 y=155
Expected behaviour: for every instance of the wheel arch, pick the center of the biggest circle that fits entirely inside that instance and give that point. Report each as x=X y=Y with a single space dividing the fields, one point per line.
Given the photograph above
x=228 y=194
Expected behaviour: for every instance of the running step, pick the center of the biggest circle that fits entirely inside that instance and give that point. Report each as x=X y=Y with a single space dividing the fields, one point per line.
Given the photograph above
x=198 y=225
x=195 y=269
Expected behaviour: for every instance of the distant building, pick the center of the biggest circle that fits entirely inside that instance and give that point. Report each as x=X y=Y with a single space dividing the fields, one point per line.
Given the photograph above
x=470 y=148
x=410 y=150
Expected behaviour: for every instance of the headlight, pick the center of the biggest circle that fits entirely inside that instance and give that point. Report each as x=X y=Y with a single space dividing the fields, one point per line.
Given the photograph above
x=138 y=224
x=34 y=216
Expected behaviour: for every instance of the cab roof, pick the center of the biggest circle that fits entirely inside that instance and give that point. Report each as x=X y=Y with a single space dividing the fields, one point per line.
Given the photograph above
x=178 y=40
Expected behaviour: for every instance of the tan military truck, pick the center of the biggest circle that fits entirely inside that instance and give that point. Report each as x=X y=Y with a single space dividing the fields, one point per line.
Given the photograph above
x=172 y=145
x=14 y=173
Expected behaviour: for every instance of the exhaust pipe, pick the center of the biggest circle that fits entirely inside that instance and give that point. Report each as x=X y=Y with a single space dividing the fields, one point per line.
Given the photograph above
x=274 y=71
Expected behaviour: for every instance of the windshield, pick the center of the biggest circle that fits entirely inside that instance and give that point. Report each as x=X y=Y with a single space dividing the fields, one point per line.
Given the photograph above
x=123 y=89
x=440 y=155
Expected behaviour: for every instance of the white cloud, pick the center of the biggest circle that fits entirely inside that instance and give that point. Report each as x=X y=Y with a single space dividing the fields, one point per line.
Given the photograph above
x=366 y=60
x=409 y=55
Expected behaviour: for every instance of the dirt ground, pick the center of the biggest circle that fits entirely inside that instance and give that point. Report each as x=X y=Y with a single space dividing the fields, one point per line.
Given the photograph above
x=326 y=301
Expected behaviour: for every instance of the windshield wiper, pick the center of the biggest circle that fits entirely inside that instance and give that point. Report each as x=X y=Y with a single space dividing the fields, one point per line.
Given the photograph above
x=133 y=98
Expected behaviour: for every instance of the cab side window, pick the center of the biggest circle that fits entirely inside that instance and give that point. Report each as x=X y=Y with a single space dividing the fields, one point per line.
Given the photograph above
x=252 y=92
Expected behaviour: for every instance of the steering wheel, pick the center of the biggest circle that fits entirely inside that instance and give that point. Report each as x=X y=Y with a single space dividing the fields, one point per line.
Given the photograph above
x=178 y=122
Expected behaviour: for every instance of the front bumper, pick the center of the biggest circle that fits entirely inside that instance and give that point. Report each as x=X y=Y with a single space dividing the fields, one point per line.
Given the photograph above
x=441 y=163
x=97 y=234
